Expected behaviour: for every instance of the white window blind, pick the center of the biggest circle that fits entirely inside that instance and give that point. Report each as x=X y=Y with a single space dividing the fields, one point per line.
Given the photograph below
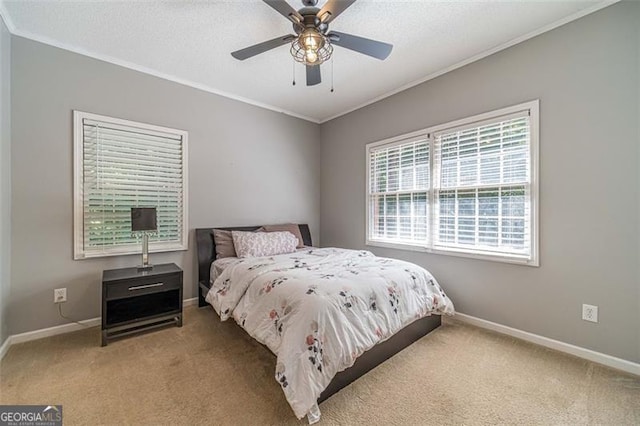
x=399 y=186
x=465 y=188
x=119 y=165
x=482 y=187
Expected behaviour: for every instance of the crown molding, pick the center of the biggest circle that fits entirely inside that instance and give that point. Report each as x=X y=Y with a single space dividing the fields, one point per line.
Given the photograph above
x=162 y=75
x=481 y=55
x=4 y=15
x=186 y=82
x=140 y=68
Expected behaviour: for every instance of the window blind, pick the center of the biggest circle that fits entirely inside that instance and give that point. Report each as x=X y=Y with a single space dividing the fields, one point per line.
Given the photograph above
x=467 y=188
x=399 y=186
x=482 y=186
x=124 y=166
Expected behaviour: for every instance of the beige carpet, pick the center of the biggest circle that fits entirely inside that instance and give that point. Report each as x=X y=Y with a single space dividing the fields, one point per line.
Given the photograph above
x=212 y=373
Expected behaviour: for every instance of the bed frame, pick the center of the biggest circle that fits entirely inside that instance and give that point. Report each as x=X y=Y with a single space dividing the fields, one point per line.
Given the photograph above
x=367 y=361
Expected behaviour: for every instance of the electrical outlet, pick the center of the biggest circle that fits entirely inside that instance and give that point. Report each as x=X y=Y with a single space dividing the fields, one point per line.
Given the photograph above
x=590 y=313
x=59 y=295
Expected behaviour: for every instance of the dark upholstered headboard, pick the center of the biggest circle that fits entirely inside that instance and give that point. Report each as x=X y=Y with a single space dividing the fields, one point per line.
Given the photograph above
x=207 y=251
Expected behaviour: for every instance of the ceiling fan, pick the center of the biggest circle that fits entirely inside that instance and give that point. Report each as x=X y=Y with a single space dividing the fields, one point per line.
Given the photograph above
x=313 y=44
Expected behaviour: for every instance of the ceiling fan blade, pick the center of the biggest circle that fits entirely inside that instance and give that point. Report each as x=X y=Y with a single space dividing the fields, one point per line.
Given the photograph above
x=366 y=46
x=256 y=49
x=283 y=8
x=313 y=75
x=333 y=8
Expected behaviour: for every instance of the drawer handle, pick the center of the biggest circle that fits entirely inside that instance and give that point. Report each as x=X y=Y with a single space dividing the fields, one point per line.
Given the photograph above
x=140 y=287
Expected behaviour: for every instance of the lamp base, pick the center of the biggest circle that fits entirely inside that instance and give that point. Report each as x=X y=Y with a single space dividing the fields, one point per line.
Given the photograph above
x=145 y=254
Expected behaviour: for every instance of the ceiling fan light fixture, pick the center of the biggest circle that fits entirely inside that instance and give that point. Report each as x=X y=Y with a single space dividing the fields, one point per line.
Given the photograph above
x=311 y=47
x=311 y=39
x=313 y=43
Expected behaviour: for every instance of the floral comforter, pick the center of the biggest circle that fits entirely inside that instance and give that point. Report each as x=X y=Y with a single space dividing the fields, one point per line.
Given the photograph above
x=319 y=309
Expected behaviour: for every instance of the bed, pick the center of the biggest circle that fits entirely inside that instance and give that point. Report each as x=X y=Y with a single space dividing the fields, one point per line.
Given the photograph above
x=386 y=346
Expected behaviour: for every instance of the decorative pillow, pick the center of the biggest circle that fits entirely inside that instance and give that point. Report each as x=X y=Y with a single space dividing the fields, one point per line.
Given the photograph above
x=224 y=244
x=288 y=227
x=258 y=244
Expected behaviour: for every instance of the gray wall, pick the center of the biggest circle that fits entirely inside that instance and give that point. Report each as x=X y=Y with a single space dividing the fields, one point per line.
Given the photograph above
x=586 y=75
x=247 y=166
x=638 y=121
x=5 y=176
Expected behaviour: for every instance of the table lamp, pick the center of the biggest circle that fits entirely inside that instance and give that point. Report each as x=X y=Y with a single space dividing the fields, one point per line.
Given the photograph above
x=143 y=221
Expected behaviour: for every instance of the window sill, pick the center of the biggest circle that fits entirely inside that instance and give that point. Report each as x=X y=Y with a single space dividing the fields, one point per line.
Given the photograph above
x=456 y=253
x=127 y=252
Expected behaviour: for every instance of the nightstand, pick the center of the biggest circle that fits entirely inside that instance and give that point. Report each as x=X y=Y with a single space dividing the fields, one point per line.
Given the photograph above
x=138 y=300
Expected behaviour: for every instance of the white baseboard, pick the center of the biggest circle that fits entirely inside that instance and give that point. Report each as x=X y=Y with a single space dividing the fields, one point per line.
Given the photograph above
x=5 y=347
x=190 y=302
x=588 y=354
x=62 y=329
x=53 y=331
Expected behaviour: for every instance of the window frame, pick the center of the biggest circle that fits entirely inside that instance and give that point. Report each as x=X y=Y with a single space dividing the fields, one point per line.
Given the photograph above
x=79 y=252
x=534 y=116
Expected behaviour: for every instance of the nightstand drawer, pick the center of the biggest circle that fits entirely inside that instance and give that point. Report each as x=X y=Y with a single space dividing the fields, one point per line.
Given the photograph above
x=143 y=285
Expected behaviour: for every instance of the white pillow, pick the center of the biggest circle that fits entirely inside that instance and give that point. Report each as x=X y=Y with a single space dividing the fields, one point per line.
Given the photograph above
x=259 y=244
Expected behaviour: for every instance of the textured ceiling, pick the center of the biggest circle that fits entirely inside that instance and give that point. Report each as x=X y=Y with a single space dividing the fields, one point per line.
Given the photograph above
x=191 y=41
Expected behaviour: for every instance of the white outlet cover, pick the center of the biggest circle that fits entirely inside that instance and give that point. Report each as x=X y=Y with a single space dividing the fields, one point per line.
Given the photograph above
x=59 y=295
x=590 y=313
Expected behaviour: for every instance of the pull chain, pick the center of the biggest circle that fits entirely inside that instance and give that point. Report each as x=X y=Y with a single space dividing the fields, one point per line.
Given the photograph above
x=332 y=74
x=294 y=72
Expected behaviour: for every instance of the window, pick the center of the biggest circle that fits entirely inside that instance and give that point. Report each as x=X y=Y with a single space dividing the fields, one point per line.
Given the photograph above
x=399 y=188
x=121 y=164
x=466 y=188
